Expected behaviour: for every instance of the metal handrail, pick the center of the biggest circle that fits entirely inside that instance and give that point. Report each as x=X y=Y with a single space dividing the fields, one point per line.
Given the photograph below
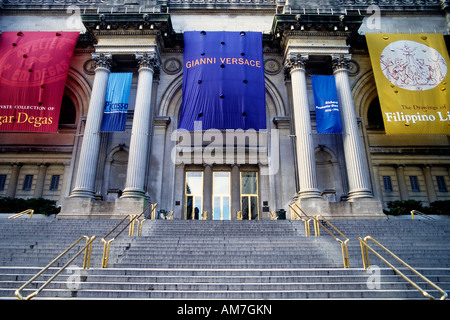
x=17 y=215
x=133 y=219
x=86 y=263
x=344 y=247
x=366 y=264
x=415 y=212
x=273 y=215
x=306 y=221
x=317 y=225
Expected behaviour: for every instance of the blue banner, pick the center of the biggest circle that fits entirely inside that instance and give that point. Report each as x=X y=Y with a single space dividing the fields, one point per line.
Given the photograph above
x=328 y=118
x=223 y=81
x=116 y=104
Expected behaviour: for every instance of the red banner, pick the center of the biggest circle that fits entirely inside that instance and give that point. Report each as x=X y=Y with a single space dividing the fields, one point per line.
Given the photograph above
x=33 y=72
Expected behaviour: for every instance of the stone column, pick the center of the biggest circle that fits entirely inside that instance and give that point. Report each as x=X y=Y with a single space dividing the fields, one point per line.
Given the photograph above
x=140 y=132
x=39 y=189
x=400 y=170
x=235 y=191
x=354 y=157
x=12 y=186
x=87 y=165
x=207 y=191
x=305 y=148
x=429 y=183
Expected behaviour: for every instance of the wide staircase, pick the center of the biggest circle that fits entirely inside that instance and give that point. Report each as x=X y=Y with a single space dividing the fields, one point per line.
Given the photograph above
x=175 y=259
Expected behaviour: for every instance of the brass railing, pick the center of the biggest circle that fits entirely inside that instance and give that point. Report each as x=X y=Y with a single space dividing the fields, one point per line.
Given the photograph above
x=415 y=212
x=134 y=219
x=17 y=215
x=344 y=247
x=305 y=219
x=273 y=215
x=318 y=225
x=365 y=257
x=86 y=262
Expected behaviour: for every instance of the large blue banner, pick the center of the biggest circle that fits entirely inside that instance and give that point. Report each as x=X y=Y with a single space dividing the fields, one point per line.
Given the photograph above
x=223 y=81
x=328 y=118
x=116 y=104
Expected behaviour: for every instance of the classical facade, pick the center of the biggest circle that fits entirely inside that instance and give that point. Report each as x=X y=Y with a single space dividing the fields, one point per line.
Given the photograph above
x=103 y=174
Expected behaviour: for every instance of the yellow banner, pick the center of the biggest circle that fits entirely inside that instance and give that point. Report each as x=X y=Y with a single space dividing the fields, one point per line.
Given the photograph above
x=411 y=74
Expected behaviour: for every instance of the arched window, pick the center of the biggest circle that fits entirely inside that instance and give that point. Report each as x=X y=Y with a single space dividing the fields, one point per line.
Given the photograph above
x=374 y=116
x=68 y=112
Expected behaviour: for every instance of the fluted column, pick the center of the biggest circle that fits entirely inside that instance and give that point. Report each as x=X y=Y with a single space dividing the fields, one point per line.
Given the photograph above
x=87 y=166
x=140 y=132
x=306 y=162
x=354 y=156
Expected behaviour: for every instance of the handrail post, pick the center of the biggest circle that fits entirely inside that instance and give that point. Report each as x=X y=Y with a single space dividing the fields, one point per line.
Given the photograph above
x=364 y=254
x=105 y=256
x=345 y=254
x=316 y=228
x=131 y=225
x=132 y=222
x=307 y=228
x=87 y=252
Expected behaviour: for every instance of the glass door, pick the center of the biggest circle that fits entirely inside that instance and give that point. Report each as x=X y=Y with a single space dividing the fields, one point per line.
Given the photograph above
x=249 y=195
x=193 y=195
x=221 y=196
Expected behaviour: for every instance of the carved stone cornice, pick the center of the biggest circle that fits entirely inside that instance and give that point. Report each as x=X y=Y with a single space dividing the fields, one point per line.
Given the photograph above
x=130 y=24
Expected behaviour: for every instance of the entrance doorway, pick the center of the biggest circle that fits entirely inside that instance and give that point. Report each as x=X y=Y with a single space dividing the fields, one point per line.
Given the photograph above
x=193 y=195
x=249 y=195
x=221 y=196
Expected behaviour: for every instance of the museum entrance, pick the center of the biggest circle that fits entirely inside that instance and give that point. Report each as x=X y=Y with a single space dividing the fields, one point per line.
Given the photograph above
x=249 y=196
x=220 y=194
x=193 y=195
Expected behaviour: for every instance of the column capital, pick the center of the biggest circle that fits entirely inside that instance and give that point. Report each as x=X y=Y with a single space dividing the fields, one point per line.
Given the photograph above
x=296 y=61
x=341 y=61
x=147 y=60
x=102 y=60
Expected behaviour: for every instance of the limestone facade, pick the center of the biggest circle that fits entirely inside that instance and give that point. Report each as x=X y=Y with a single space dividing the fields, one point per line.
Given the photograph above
x=104 y=174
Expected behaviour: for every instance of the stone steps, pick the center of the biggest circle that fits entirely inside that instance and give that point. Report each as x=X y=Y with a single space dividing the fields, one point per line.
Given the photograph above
x=221 y=260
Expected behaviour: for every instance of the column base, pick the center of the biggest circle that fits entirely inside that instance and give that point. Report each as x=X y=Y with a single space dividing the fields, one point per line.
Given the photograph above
x=133 y=193
x=309 y=193
x=82 y=193
x=360 y=194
